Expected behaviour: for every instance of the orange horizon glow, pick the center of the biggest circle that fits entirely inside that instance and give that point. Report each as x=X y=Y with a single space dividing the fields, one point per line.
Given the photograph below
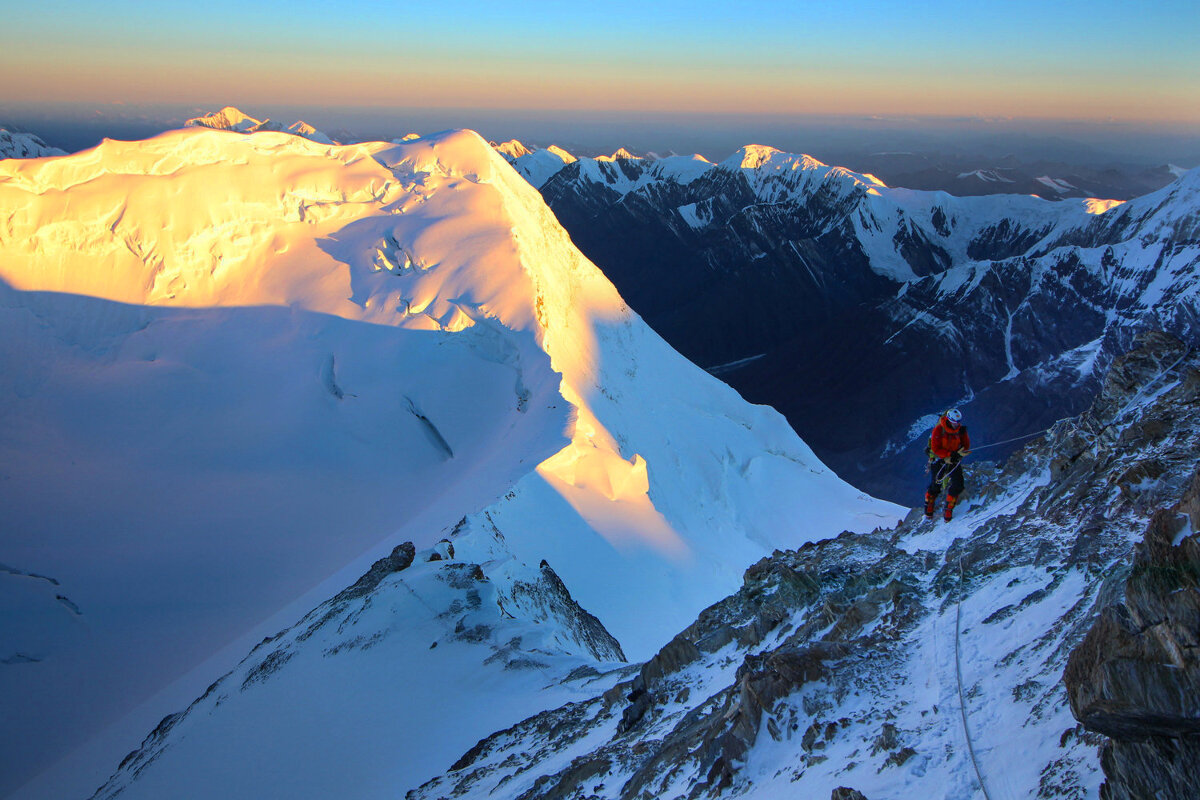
x=856 y=59
x=571 y=89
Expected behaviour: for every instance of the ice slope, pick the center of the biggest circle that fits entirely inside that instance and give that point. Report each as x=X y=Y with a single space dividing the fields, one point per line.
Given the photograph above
x=239 y=363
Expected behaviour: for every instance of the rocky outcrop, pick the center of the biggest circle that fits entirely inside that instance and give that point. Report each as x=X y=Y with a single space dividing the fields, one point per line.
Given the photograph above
x=1136 y=676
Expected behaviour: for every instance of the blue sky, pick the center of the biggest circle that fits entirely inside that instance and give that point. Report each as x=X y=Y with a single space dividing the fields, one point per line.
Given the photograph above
x=1061 y=60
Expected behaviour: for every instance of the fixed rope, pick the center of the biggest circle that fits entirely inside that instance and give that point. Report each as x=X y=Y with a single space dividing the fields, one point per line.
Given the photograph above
x=962 y=702
x=1014 y=439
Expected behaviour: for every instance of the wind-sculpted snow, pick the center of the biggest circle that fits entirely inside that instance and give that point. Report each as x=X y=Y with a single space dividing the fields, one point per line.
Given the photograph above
x=923 y=661
x=241 y=366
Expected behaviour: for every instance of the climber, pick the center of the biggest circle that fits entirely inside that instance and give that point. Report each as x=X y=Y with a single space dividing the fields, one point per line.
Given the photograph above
x=948 y=444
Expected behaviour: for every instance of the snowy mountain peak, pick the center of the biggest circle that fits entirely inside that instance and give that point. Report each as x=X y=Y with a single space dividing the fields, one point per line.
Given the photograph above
x=753 y=156
x=233 y=119
x=302 y=128
x=513 y=149
x=539 y=166
x=227 y=119
x=252 y=287
x=620 y=154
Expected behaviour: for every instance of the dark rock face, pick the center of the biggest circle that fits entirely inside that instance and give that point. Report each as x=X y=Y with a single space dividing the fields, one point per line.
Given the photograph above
x=400 y=559
x=835 y=664
x=788 y=286
x=1136 y=676
x=846 y=793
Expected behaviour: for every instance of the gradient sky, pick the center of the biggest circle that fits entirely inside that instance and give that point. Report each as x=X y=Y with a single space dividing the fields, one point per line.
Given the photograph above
x=1027 y=58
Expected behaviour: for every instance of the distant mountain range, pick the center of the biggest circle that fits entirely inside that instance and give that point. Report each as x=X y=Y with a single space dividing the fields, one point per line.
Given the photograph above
x=231 y=119
x=861 y=310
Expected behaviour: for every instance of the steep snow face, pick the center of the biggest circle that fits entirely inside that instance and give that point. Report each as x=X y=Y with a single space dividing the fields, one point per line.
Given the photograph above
x=236 y=364
x=14 y=144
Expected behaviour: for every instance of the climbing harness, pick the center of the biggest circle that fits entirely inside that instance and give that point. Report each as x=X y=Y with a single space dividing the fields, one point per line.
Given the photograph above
x=943 y=476
x=962 y=703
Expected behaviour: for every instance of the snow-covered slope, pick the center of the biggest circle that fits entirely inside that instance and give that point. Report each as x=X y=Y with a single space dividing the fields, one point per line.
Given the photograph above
x=15 y=144
x=926 y=661
x=236 y=365
x=415 y=659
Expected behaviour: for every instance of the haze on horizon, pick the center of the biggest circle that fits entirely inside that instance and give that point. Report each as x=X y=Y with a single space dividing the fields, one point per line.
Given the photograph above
x=1100 y=60
x=1087 y=82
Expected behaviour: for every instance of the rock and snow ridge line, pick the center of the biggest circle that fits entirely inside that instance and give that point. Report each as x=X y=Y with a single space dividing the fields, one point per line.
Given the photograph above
x=449 y=642
x=173 y=269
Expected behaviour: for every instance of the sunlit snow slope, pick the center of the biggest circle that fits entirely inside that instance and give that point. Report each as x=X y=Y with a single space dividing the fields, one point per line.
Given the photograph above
x=232 y=365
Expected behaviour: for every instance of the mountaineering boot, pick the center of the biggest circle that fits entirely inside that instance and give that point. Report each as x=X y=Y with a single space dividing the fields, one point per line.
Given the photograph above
x=929 y=505
x=950 y=501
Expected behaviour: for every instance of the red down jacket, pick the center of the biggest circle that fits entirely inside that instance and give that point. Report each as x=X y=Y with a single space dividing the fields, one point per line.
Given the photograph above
x=948 y=438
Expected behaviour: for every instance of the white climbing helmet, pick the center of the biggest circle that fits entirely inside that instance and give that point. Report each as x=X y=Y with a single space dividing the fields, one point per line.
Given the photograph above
x=954 y=415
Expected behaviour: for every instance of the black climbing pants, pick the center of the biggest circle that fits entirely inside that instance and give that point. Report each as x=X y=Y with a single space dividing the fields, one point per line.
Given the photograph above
x=938 y=471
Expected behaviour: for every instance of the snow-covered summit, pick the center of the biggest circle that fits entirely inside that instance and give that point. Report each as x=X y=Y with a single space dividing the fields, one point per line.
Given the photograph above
x=227 y=119
x=619 y=154
x=763 y=160
x=233 y=119
x=16 y=144
x=512 y=149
